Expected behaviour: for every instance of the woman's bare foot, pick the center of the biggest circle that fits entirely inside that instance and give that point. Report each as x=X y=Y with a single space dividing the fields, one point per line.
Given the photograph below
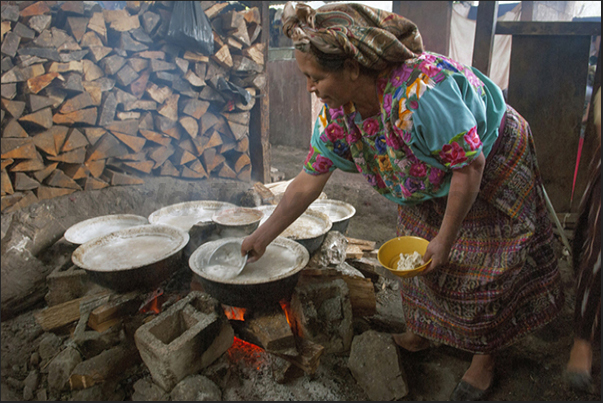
x=410 y=341
x=581 y=357
x=481 y=371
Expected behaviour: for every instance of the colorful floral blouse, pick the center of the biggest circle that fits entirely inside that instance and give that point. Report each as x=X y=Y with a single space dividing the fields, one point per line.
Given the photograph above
x=436 y=116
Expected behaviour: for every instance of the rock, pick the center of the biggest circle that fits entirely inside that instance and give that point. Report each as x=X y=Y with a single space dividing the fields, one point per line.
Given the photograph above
x=49 y=346
x=376 y=366
x=32 y=381
x=332 y=251
x=196 y=388
x=61 y=367
x=146 y=391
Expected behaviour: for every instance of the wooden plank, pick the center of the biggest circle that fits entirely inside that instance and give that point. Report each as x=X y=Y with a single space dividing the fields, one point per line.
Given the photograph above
x=487 y=13
x=259 y=145
x=553 y=111
x=565 y=28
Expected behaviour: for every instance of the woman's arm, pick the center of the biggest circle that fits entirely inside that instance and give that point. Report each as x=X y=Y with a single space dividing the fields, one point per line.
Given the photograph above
x=464 y=187
x=300 y=193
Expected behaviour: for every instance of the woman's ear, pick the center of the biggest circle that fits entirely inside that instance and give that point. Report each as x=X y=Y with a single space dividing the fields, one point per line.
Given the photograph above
x=352 y=67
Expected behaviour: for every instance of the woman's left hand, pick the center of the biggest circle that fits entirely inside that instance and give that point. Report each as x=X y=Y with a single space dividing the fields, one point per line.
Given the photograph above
x=438 y=251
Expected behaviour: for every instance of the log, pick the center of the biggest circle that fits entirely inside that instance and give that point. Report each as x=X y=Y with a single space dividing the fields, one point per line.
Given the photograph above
x=92 y=183
x=14 y=108
x=37 y=102
x=198 y=167
x=158 y=94
x=190 y=126
x=118 y=305
x=155 y=137
x=45 y=192
x=223 y=57
x=161 y=154
x=195 y=57
x=77 y=103
x=7 y=186
x=42 y=118
x=44 y=173
x=195 y=108
x=59 y=179
x=227 y=172
x=76 y=171
x=104 y=366
x=212 y=159
x=18 y=148
x=121 y=179
x=96 y=167
x=83 y=116
x=107 y=146
x=181 y=157
x=241 y=162
x=245 y=174
x=6 y=163
x=141 y=166
x=170 y=108
x=134 y=142
x=32 y=165
x=168 y=169
x=14 y=129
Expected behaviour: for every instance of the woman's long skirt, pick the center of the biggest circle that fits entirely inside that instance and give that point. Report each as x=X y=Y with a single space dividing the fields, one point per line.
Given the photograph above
x=502 y=280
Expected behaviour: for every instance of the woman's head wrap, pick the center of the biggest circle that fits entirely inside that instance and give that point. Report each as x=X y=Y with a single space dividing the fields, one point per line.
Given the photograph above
x=375 y=38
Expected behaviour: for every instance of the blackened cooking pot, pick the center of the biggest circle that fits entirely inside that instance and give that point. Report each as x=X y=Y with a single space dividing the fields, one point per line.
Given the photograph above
x=139 y=257
x=266 y=281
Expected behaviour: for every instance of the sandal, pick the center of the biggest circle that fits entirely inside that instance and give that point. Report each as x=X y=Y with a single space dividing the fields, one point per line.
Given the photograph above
x=424 y=345
x=579 y=381
x=464 y=391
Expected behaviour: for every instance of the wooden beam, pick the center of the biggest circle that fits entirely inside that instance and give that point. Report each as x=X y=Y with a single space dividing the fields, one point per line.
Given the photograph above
x=547 y=28
x=487 y=12
x=259 y=128
x=527 y=10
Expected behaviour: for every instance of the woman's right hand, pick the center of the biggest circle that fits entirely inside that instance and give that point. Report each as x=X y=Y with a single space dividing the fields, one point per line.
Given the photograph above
x=253 y=247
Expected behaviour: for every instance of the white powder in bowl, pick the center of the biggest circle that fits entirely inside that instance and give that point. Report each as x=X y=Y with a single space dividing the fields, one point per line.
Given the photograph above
x=409 y=261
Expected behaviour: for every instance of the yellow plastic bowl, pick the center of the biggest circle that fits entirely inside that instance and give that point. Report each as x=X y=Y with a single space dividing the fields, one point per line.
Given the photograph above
x=389 y=254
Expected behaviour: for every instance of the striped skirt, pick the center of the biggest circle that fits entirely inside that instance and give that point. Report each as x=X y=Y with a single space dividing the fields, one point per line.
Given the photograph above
x=502 y=280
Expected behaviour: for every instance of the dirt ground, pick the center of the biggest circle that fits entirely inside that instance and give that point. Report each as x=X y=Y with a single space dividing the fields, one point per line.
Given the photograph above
x=529 y=370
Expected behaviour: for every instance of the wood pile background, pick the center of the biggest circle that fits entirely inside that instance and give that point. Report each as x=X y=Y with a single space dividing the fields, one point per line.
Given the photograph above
x=94 y=97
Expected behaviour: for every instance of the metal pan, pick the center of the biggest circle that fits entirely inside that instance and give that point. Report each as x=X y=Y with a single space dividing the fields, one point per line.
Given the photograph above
x=270 y=279
x=133 y=258
x=96 y=227
x=194 y=217
x=338 y=211
x=309 y=229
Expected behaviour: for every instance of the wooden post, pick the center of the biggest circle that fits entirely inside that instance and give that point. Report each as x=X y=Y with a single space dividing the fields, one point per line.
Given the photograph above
x=259 y=127
x=527 y=10
x=485 y=30
x=433 y=20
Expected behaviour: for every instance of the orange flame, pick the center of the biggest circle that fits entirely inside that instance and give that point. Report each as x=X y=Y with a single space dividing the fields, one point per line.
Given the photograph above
x=152 y=303
x=287 y=309
x=246 y=352
x=234 y=313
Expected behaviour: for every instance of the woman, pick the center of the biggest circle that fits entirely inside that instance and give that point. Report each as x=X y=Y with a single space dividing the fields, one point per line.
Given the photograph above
x=423 y=130
x=587 y=263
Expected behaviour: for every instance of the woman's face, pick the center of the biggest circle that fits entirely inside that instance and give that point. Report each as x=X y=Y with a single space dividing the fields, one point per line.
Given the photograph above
x=334 y=88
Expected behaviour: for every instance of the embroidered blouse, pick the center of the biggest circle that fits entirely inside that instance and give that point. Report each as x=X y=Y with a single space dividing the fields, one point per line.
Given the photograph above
x=436 y=116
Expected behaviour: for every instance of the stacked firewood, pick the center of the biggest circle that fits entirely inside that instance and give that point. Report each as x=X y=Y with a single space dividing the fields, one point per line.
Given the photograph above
x=94 y=97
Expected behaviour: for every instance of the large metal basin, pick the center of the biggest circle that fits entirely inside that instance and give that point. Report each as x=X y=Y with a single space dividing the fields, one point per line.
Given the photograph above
x=270 y=279
x=139 y=257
